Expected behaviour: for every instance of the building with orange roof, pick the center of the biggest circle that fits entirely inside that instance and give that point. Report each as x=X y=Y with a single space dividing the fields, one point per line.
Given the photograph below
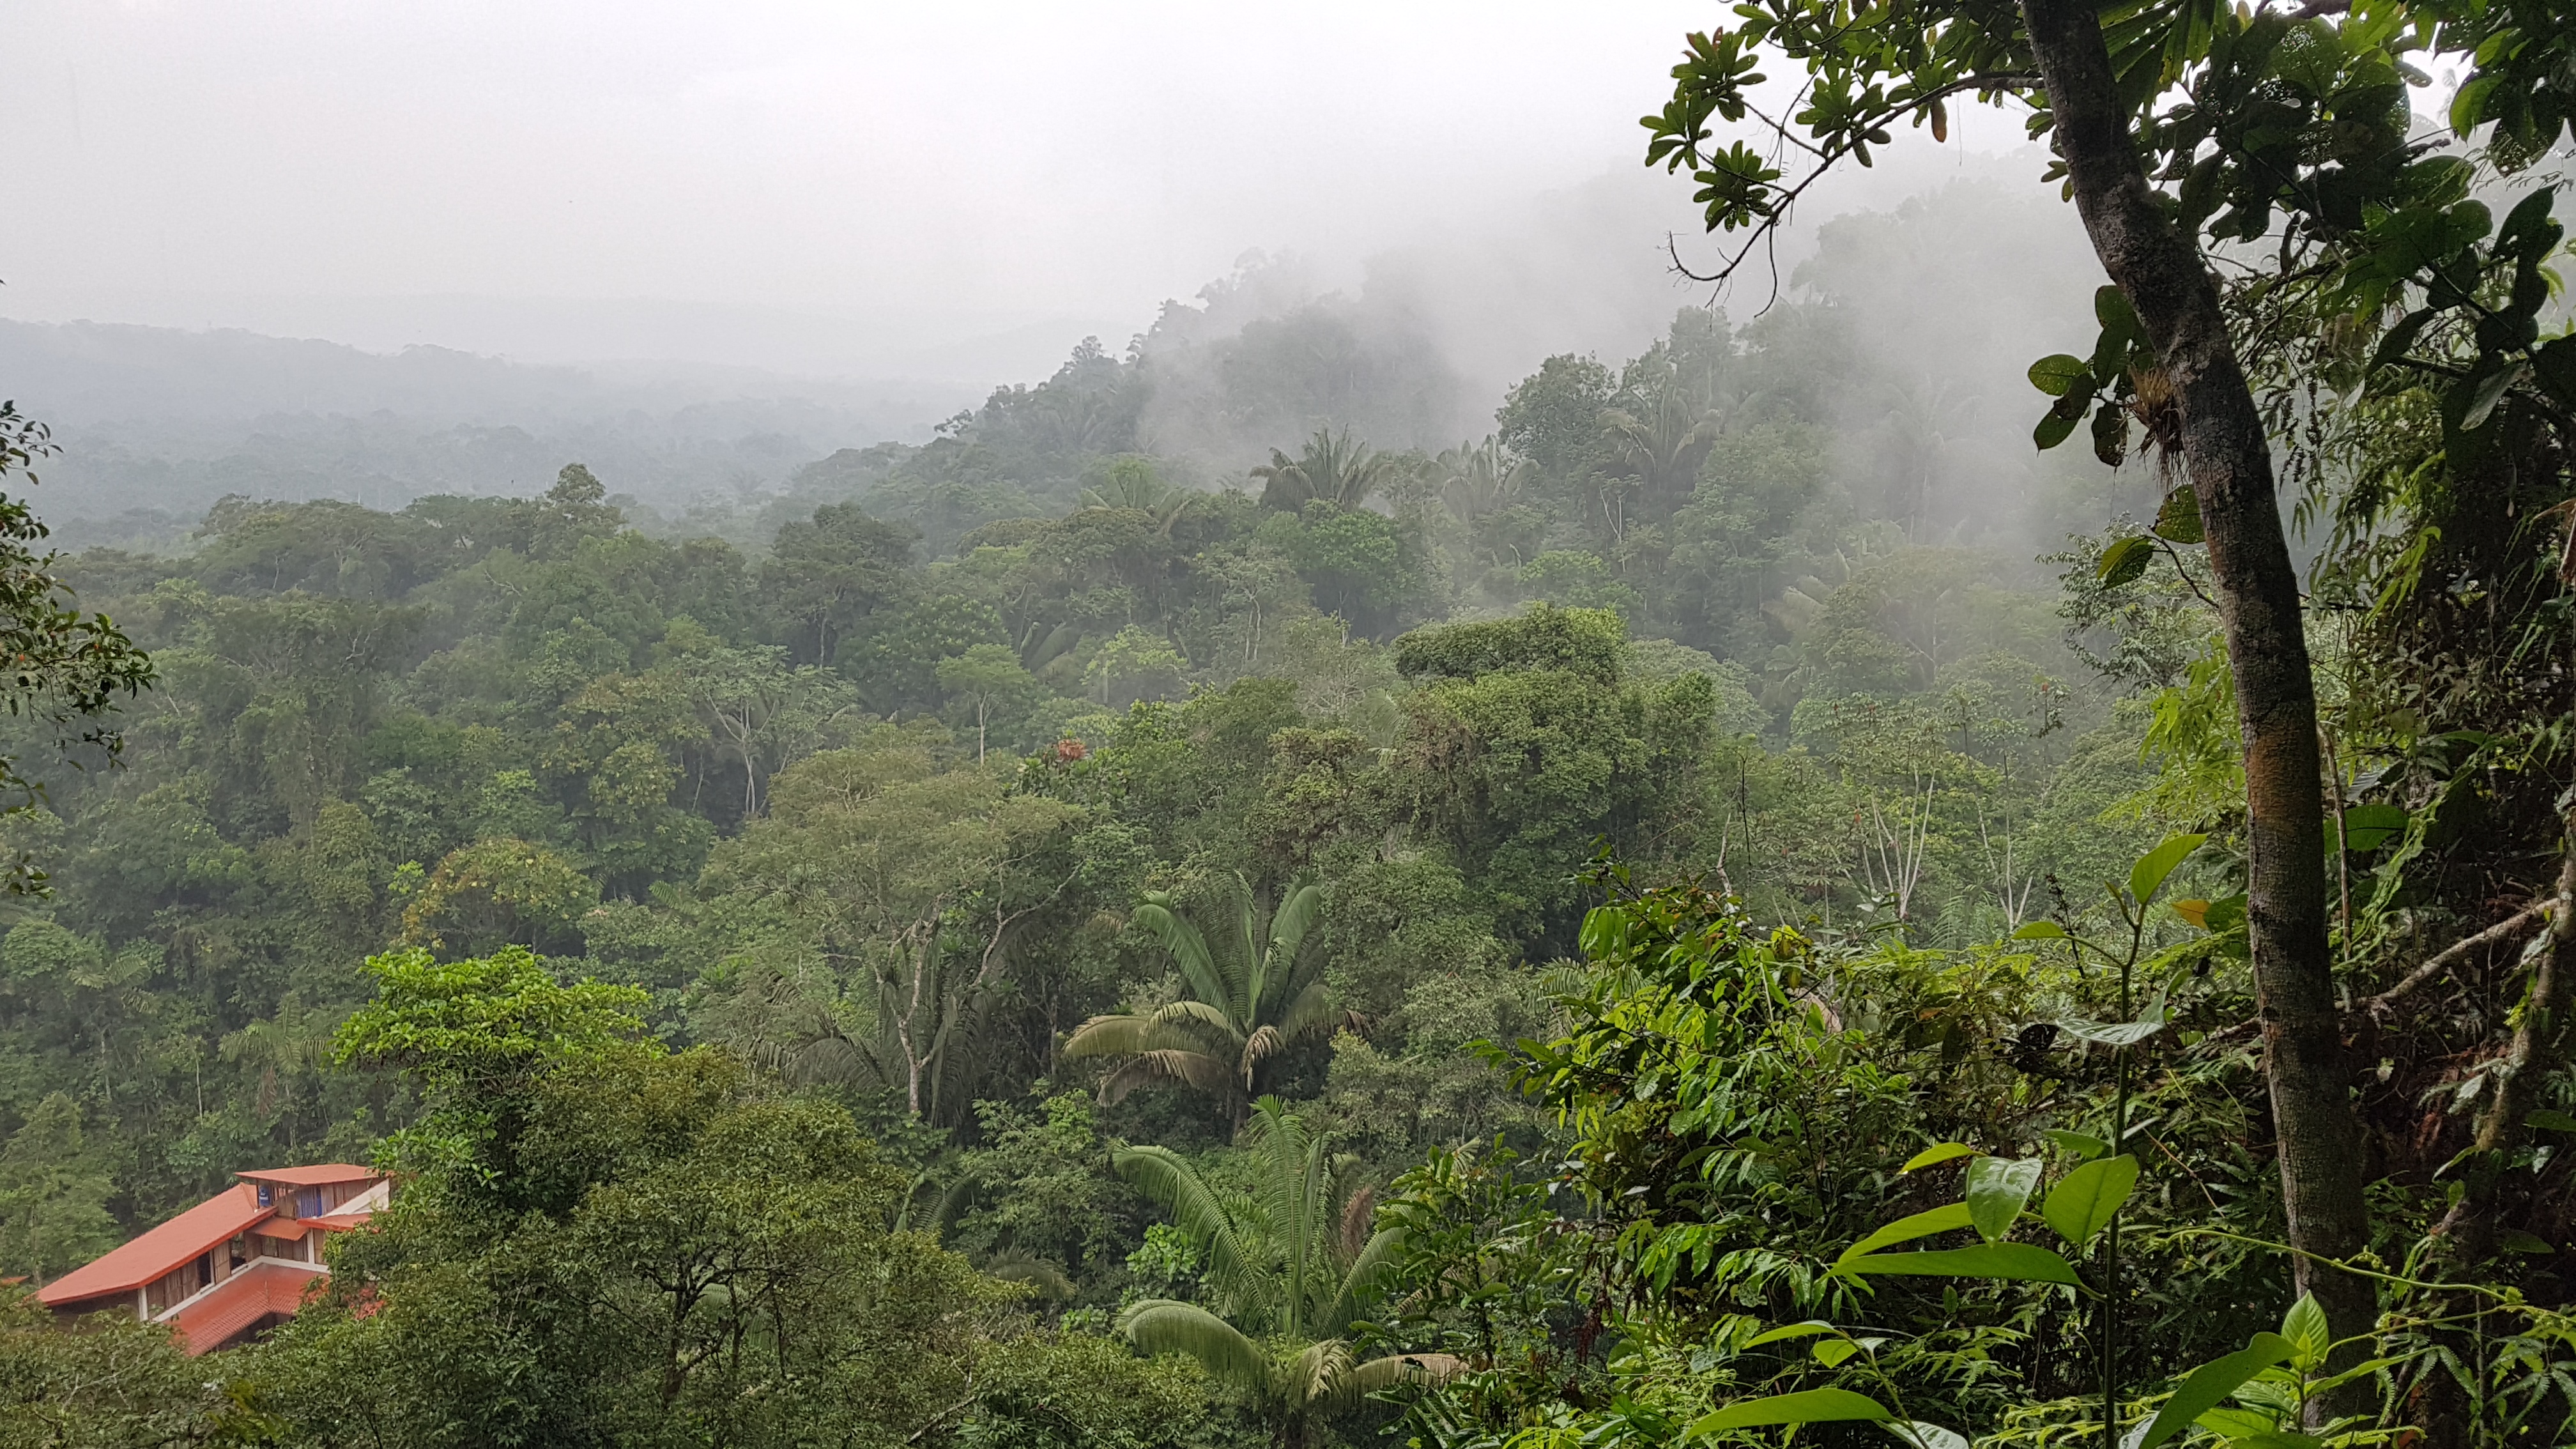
x=232 y=1266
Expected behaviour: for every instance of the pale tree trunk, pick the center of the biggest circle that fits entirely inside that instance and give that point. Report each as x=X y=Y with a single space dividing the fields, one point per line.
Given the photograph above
x=2169 y=286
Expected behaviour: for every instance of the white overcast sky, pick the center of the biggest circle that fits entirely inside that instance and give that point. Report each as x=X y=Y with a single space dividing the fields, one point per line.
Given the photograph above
x=519 y=176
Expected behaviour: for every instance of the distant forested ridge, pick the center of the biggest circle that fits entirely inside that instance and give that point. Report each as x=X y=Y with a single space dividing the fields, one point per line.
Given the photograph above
x=1185 y=909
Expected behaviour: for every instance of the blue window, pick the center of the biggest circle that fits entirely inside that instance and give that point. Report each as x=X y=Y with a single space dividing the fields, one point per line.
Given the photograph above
x=267 y=1195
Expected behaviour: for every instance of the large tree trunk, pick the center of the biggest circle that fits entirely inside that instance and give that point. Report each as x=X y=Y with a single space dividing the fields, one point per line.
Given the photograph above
x=2168 y=284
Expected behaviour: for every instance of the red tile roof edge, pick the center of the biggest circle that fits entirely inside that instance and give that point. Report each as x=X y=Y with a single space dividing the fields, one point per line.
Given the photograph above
x=313 y=1176
x=154 y=1253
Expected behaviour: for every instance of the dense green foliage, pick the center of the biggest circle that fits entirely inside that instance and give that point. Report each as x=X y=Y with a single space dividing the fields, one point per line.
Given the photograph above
x=1028 y=949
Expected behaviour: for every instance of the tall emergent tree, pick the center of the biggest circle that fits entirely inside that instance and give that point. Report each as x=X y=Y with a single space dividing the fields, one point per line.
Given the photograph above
x=64 y=670
x=2182 y=128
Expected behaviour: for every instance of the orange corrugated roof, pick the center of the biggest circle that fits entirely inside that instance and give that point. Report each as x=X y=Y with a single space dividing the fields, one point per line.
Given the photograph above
x=162 y=1249
x=314 y=1176
x=240 y=1301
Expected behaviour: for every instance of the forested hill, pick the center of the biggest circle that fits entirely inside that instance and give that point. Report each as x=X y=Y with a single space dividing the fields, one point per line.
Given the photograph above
x=1177 y=864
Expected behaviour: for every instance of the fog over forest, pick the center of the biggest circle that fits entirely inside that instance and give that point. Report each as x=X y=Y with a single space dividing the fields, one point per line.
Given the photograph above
x=1129 y=725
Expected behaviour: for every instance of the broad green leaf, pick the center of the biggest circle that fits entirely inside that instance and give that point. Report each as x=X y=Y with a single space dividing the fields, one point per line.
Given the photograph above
x=2178 y=521
x=2058 y=374
x=2196 y=912
x=2212 y=1382
x=2111 y=308
x=1812 y=1406
x=2515 y=1240
x=1937 y=1154
x=2368 y=827
x=1998 y=1188
x=1927 y=1436
x=2550 y=1120
x=2227 y=913
x=1794 y=1330
x=2085 y=1200
x=2009 y=1262
x=2109 y=1033
x=2055 y=427
x=2399 y=338
x=2082 y=1144
x=2040 y=931
x=2124 y=561
x=1947 y=1218
x=2305 y=1327
x=2148 y=875
x=2235 y=1423
x=1832 y=1351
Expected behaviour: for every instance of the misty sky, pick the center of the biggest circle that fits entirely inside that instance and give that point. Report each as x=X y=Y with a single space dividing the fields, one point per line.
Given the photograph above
x=838 y=186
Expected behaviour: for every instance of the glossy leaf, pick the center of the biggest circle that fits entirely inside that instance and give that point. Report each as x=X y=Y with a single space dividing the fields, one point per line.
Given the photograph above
x=2059 y=374
x=2040 y=931
x=1807 y=1329
x=2082 y=1144
x=1937 y=1154
x=2178 y=520
x=2085 y=1200
x=1998 y=1189
x=2305 y=1327
x=1812 y=1406
x=1927 y=1436
x=2004 y=1262
x=2368 y=827
x=2125 y=561
x=1947 y=1218
x=2210 y=1383
x=2148 y=875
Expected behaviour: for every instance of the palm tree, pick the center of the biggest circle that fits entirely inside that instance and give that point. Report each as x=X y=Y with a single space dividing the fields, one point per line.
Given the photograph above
x=1255 y=991
x=1288 y=1266
x=1479 y=478
x=1331 y=467
x=1131 y=482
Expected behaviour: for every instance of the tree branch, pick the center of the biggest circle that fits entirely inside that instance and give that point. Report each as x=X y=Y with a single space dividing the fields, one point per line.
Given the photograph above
x=2452 y=955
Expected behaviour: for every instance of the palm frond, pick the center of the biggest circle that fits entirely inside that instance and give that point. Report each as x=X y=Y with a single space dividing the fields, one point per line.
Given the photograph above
x=1361 y=1279
x=1257 y=1047
x=1162 y=1325
x=1313 y=1013
x=1169 y=1179
x=1196 y=1069
x=1314 y=1376
x=1115 y=1036
x=1202 y=1014
x=1188 y=949
x=1362 y=1379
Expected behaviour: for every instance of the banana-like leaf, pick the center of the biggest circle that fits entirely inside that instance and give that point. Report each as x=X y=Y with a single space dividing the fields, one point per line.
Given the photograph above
x=1160 y=1325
